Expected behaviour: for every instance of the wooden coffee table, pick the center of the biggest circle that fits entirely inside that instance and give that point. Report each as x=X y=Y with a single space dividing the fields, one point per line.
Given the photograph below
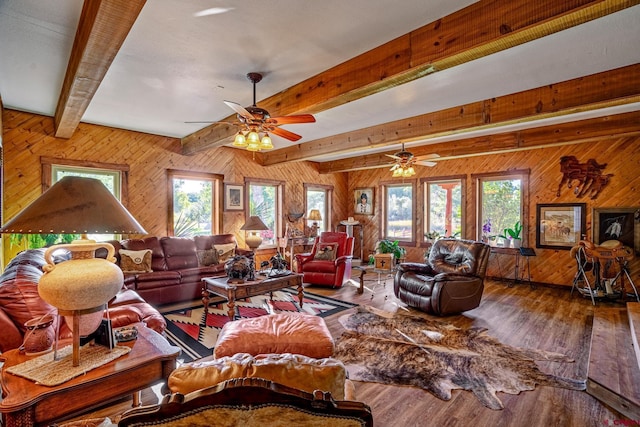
x=233 y=291
x=26 y=403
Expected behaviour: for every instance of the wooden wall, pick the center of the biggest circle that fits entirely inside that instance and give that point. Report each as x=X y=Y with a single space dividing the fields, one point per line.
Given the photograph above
x=622 y=156
x=27 y=137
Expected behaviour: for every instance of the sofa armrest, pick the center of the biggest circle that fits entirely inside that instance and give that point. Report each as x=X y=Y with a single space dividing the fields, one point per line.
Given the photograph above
x=11 y=336
x=342 y=259
x=453 y=277
x=416 y=267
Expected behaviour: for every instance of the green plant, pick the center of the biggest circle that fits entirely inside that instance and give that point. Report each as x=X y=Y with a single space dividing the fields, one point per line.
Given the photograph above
x=391 y=247
x=512 y=233
x=433 y=235
x=35 y=241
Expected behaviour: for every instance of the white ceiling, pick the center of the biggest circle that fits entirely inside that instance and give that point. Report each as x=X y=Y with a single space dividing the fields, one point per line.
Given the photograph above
x=175 y=66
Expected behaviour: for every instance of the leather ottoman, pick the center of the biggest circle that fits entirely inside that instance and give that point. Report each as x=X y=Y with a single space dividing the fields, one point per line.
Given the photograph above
x=276 y=333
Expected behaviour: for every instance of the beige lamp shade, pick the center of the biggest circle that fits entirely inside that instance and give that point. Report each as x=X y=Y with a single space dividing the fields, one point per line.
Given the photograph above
x=314 y=215
x=253 y=225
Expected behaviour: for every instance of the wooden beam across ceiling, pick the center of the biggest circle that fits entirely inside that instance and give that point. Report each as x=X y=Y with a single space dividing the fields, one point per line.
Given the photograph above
x=480 y=29
x=102 y=28
x=606 y=89
x=619 y=125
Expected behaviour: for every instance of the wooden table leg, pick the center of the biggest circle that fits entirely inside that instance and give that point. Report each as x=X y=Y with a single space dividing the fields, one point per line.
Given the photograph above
x=205 y=300
x=137 y=400
x=300 y=293
x=361 y=289
x=231 y=304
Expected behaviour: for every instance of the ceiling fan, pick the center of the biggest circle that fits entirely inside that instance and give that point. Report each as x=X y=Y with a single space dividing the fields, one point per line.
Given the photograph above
x=254 y=120
x=404 y=161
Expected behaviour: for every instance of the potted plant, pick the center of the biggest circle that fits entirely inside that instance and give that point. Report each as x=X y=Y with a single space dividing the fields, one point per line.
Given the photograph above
x=513 y=235
x=432 y=236
x=391 y=247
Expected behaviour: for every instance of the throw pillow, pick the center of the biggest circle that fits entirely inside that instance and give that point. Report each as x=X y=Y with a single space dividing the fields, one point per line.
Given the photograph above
x=224 y=251
x=326 y=251
x=207 y=257
x=135 y=261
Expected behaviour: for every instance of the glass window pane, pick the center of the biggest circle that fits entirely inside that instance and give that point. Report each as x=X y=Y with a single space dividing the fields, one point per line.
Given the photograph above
x=444 y=201
x=192 y=207
x=263 y=203
x=399 y=212
x=316 y=199
x=501 y=206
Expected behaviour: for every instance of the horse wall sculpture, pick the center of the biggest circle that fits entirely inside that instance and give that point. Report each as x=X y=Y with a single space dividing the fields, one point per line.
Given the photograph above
x=589 y=177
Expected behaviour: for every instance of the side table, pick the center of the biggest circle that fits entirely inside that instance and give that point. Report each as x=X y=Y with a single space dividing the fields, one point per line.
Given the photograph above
x=26 y=403
x=367 y=269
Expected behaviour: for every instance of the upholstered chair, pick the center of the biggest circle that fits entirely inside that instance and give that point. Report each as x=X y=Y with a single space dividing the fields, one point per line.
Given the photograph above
x=449 y=282
x=329 y=262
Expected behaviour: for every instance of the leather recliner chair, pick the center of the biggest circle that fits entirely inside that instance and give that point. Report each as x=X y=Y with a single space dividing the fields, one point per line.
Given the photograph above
x=329 y=262
x=451 y=281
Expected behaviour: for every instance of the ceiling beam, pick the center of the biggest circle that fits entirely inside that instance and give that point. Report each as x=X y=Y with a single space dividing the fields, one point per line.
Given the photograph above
x=480 y=29
x=102 y=28
x=606 y=89
x=595 y=129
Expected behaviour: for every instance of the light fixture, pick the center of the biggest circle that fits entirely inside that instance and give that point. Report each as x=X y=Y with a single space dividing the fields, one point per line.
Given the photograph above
x=84 y=284
x=314 y=215
x=253 y=225
x=403 y=170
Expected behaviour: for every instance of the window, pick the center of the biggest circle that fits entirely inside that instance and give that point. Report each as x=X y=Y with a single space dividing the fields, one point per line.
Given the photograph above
x=318 y=197
x=194 y=203
x=265 y=201
x=398 y=212
x=502 y=201
x=443 y=201
x=113 y=176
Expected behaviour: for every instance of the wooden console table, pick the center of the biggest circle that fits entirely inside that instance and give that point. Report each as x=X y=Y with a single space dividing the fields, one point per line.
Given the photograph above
x=26 y=403
x=233 y=291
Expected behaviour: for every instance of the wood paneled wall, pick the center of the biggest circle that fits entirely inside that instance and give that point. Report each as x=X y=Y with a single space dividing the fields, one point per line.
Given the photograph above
x=27 y=137
x=622 y=156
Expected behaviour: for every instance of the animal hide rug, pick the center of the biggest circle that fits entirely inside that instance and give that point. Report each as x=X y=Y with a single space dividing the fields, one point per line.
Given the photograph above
x=438 y=357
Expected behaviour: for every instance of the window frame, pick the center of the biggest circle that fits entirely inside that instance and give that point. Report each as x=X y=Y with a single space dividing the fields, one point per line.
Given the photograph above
x=328 y=204
x=279 y=214
x=424 y=184
x=524 y=176
x=216 y=196
x=384 y=186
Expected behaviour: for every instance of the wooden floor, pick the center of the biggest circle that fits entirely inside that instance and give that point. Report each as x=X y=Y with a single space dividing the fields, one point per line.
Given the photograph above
x=547 y=318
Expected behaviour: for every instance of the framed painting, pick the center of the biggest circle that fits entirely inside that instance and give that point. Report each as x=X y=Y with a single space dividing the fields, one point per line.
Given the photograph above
x=560 y=225
x=363 y=201
x=621 y=224
x=233 y=197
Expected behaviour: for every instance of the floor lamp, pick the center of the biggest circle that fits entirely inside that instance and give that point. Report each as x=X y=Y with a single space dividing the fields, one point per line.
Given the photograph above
x=84 y=284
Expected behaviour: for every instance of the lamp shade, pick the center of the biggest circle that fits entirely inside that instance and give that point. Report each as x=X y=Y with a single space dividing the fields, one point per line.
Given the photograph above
x=254 y=223
x=314 y=215
x=75 y=205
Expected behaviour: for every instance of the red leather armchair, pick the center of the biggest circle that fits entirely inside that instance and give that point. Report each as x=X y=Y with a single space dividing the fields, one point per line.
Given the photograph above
x=451 y=281
x=329 y=262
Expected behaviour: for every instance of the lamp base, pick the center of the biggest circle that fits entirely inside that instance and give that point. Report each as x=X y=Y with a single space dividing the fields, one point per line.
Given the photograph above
x=253 y=241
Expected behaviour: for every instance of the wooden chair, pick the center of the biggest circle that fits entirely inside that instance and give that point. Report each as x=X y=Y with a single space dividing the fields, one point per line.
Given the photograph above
x=249 y=402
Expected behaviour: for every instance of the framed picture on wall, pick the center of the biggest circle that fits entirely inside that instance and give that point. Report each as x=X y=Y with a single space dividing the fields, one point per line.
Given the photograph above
x=560 y=225
x=233 y=197
x=363 y=201
x=621 y=224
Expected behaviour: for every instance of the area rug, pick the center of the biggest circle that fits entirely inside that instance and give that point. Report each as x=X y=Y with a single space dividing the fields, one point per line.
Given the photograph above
x=197 y=336
x=405 y=350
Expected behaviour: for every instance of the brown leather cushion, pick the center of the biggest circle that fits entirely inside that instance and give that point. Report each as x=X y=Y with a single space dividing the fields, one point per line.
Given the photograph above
x=292 y=370
x=276 y=333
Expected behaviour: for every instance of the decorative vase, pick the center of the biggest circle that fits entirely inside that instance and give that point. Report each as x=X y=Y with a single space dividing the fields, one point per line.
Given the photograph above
x=40 y=335
x=516 y=243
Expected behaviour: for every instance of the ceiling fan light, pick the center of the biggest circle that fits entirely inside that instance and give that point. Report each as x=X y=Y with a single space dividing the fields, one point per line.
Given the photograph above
x=240 y=140
x=253 y=137
x=254 y=145
x=266 y=143
x=397 y=173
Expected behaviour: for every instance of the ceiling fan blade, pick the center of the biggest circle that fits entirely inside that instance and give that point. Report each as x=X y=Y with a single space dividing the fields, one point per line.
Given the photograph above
x=393 y=156
x=428 y=156
x=423 y=163
x=394 y=167
x=286 y=134
x=295 y=119
x=239 y=109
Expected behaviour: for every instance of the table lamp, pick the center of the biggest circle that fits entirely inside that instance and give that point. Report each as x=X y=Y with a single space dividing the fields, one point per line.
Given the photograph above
x=253 y=225
x=314 y=216
x=84 y=284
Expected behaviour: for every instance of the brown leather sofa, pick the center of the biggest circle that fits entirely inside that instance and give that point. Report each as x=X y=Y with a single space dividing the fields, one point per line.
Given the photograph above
x=20 y=301
x=177 y=265
x=451 y=280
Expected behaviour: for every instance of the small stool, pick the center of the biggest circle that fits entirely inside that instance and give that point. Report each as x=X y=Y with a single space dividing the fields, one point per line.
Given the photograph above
x=295 y=333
